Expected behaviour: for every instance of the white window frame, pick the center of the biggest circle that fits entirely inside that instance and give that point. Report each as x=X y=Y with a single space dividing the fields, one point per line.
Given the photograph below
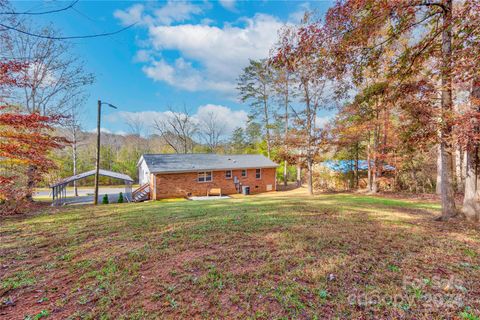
x=260 y=177
x=246 y=173
x=203 y=174
x=231 y=174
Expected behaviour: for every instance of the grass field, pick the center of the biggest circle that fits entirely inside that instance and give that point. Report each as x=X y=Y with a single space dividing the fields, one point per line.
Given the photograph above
x=277 y=255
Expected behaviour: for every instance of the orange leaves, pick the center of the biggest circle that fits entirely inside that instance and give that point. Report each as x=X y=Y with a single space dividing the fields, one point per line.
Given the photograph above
x=26 y=137
x=25 y=141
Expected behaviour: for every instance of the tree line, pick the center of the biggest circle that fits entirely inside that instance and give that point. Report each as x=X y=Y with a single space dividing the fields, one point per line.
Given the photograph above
x=404 y=79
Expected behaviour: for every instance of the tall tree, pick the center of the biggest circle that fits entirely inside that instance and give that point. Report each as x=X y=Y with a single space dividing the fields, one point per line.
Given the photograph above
x=446 y=148
x=308 y=57
x=237 y=141
x=255 y=86
x=283 y=87
x=211 y=130
x=54 y=77
x=178 y=129
x=25 y=141
x=357 y=27
x=471 y=201
x=75 y=135
x=136 y=124
x=253 y=136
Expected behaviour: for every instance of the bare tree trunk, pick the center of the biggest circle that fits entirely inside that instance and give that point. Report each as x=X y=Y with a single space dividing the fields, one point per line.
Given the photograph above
x=376 y=142
x=448 y=196
x=310 y=174
x=356 y=166
x=369 y=166
x=31 y=172
x=74 y=158
x=374 y=188
x=299 y=176
x=267 y=126
x=395 y=174
x=458 y=169
x=285 y=167
x=471 y=200
x=438 y=189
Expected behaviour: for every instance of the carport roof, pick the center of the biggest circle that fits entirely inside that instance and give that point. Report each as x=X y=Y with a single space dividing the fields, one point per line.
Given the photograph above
x=101 y=172
x=172 y=163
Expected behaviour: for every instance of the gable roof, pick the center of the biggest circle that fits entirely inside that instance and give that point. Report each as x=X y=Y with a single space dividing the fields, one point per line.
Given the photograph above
x=171 y=163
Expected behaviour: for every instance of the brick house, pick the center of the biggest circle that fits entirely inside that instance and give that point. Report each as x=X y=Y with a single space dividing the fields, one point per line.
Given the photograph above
x=183 y=175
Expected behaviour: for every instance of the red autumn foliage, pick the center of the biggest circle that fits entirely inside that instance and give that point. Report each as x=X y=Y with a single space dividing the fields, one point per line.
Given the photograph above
x=25 y=141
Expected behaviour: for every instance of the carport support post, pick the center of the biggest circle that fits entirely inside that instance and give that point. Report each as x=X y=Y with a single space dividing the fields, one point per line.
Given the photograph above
x=97 y=163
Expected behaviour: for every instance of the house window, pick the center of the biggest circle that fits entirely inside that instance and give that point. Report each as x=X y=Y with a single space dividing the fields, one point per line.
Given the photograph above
x=205 y=176
x=228 y=174
x=258 y=173
x=244 y=172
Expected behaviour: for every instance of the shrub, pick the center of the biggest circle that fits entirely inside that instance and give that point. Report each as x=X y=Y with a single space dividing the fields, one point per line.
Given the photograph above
x=120 y=198
x=12 y=198
x=105 y=199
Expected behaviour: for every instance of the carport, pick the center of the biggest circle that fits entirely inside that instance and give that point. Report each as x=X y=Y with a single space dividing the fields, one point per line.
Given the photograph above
x=59 y=189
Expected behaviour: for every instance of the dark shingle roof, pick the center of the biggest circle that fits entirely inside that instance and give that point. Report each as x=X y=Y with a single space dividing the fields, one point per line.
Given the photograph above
x=158 y=163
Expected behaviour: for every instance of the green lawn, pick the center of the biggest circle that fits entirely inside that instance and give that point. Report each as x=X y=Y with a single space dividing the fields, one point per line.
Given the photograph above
x=281 y=255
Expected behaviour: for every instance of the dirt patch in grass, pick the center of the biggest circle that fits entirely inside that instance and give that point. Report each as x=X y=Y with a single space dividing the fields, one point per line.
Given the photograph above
x=271 y=256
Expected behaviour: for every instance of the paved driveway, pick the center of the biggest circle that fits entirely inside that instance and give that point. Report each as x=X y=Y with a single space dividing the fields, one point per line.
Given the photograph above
x=85 y=195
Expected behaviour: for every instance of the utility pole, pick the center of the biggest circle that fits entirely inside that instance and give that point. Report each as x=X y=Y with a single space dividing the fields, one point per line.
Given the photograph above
x=97 y=160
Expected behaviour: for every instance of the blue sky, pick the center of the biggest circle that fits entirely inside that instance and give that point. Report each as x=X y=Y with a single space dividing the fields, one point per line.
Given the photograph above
x=178 y=53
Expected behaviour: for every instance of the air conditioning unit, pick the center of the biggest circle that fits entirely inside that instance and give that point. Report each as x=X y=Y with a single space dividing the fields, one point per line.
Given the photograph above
x=269 y=187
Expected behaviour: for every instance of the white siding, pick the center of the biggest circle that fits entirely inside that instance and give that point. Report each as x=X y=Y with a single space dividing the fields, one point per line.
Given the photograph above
x=143 y=173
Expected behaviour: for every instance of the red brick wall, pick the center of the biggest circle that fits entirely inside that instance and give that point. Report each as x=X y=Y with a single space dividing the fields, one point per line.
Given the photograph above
x=174 y=185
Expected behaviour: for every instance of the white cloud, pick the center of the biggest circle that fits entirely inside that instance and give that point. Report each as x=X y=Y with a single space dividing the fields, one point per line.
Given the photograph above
x=105 y=130
x=230 y=118
x=228 y=4
x=182 y=75
x=299 y=14
x=210 y=57
x=176 y=11
x=132 y=15
x=207 y=21
x=219 y=53
x=172 y=11
x=225 y=115
x=143 y=56
x=160 y=70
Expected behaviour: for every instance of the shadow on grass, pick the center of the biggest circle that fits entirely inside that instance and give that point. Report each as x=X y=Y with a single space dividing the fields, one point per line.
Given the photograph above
x=251 y=257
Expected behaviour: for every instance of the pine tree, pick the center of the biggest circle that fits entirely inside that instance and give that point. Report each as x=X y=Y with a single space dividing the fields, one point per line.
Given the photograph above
x=120 y=198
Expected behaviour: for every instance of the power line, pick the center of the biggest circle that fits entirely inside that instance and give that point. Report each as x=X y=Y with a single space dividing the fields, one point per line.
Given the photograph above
x=94 y=24
x=7 y=27
x=42 y=12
